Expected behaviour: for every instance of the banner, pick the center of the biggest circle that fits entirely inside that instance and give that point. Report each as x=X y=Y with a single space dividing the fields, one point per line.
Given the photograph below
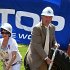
x=23 y=15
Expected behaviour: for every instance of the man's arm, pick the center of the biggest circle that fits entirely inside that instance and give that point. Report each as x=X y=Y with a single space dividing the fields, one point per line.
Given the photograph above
x=54 y=42
x=37 y=42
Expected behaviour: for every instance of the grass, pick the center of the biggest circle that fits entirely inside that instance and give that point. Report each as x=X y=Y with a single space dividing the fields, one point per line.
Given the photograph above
x=22 y=49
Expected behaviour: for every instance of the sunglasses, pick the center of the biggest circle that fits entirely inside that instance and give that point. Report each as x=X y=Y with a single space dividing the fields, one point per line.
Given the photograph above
x=5 y=33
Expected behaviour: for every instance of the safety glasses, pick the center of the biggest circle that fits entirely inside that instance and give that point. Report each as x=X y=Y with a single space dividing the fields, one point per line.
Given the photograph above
x=5 y=33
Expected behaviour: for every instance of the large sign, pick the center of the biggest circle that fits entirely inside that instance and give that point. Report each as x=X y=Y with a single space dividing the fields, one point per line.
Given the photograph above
x=23 y=15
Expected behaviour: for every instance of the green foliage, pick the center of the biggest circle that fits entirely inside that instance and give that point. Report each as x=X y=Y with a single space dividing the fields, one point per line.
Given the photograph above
x=23 y=49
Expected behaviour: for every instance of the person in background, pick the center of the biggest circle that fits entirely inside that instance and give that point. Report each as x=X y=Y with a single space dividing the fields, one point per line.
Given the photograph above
x=9 y=52
x=43 y=39
x=68 y=50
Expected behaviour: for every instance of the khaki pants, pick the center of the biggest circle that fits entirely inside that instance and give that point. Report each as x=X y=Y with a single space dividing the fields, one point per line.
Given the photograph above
x=43 y=66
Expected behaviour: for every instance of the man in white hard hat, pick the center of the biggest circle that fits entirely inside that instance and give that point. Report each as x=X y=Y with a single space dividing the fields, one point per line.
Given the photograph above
x=9 y=49
x=43 y=38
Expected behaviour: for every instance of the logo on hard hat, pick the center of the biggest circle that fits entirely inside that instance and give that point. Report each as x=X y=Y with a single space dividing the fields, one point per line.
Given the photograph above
x=49 y=12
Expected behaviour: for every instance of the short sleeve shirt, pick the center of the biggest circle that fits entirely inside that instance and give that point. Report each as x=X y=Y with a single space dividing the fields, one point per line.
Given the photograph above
x=11 y=46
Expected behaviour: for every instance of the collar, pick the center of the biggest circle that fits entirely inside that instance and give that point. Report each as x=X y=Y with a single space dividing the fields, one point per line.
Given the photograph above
x=45 y=26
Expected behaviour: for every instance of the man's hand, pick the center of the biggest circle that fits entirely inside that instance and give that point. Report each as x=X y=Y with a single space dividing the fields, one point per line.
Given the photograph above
x=48 y=60
x=57 y=45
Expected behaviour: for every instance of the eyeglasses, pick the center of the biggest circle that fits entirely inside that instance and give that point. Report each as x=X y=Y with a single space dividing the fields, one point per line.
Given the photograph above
x=5 y=33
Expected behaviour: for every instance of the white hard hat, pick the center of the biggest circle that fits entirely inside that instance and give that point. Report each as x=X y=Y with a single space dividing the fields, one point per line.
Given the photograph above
x=7 y=27
x=48 y=11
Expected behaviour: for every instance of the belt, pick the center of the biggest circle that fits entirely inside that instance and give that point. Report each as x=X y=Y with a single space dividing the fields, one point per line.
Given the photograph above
x=14 y=64
x=18 y=62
